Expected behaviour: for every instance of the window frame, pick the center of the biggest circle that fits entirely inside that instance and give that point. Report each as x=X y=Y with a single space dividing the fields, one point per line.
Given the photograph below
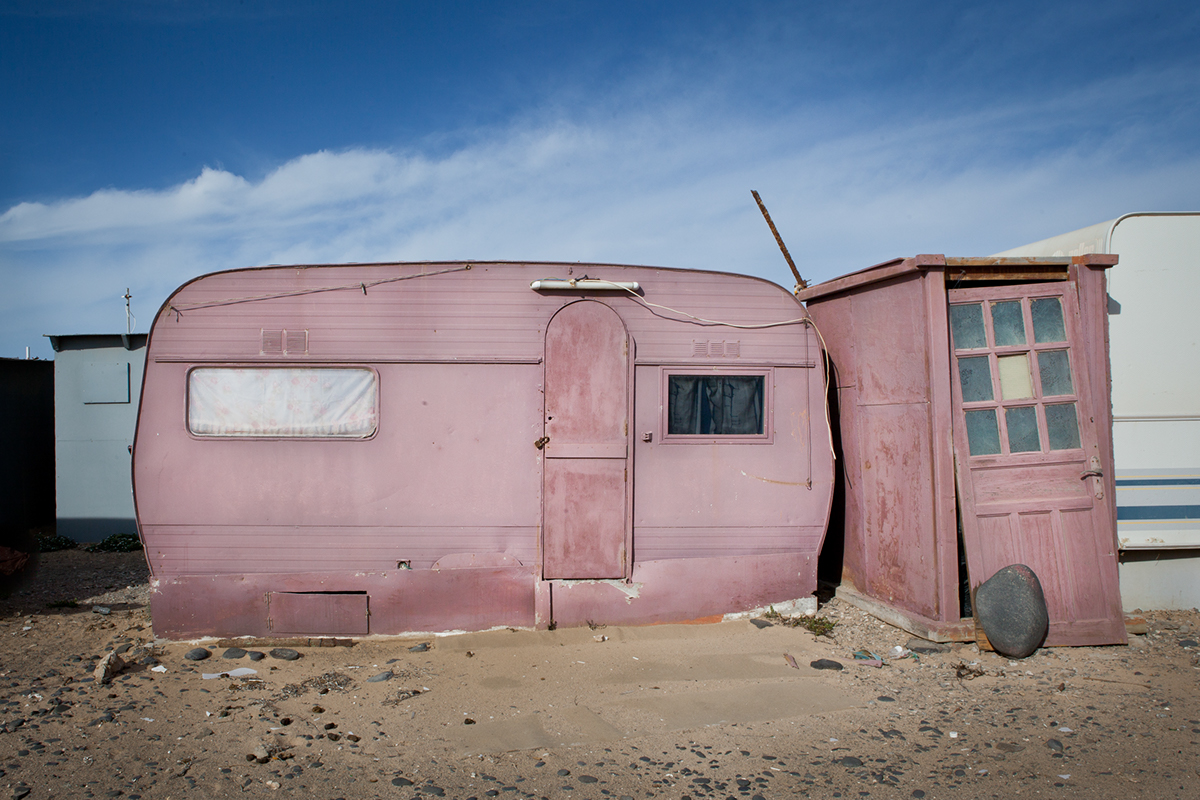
x=1032 y=350
x=209 y=437
x=716 y=370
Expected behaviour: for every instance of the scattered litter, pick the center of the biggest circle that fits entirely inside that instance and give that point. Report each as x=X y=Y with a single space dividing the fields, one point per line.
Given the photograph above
x=953 y=734
x=968 y=671
x=104 y=610
x=159 y=668
x=147 y=719
x=899 y=652
x=233 y=673
x=791 y=661
x=1065 y=777
x=868 y=659
x=1065 y=730
x=600 y=638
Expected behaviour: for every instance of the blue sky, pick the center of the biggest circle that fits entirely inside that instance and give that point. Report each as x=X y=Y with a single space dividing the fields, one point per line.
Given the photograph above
x=144 y=142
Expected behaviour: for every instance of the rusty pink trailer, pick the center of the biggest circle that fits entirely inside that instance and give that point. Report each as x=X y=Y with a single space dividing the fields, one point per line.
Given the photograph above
x=975 y=389
x=388 y=448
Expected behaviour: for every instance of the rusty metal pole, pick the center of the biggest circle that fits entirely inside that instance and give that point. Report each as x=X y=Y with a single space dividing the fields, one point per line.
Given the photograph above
x=800 y=282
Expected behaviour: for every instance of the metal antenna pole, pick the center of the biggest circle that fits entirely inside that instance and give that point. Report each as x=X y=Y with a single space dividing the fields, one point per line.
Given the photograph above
x=800 y=282
x=128 y=315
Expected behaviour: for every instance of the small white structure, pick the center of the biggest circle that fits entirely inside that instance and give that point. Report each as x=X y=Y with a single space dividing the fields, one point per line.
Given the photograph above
x=97 y=380
x=1154 y=350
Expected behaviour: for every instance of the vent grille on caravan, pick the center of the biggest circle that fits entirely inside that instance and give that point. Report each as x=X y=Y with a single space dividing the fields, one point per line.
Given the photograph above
x=283 y=343
x=708 y=349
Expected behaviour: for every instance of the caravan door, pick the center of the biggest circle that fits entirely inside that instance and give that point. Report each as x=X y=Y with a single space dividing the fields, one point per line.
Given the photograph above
x=585 y=496
x=1028 y=464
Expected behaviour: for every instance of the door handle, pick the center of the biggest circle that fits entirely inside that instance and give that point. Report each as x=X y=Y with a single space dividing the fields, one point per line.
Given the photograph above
x=1092 y=473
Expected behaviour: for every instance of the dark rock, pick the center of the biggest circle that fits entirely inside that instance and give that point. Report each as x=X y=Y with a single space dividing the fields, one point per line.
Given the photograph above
x=284 y=654
x=850 y=761
x=381 y=677
x=924 y=647
x=419 y=648
x=1011 y=609
x=1188 y=643
x=401 y=782
x=256 y=655
x=587 y=779
x=883 y=698
x=234 y=652
x=1055 y=745
x=826 y=663
x=197 y=654
x=760 y=623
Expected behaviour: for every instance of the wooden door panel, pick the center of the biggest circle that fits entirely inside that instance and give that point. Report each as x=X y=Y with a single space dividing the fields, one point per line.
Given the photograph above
x=1025 y=497
x=586 y=536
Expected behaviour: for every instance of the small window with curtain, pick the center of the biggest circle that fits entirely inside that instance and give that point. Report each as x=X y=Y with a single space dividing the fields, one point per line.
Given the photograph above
x=716 y=406
x=279 y=403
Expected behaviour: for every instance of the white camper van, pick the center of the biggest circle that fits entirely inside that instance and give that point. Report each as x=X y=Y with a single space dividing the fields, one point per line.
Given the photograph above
x=1155 y=355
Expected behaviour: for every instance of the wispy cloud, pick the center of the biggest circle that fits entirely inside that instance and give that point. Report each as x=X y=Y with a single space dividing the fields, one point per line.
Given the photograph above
x=668 y=186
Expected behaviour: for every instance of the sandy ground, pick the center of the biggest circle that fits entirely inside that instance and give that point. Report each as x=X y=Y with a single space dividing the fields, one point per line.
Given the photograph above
x=668 y=711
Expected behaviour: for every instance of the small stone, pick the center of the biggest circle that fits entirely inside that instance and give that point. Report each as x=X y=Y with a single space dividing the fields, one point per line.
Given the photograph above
x=401 y=782
x=1055 y=745
x=419 y=648
x=259 y=754
x=826 y=663
x=256 y=655
x=109 y=667
x=197 y=654
x=381 y=677
x=760 y=623
x=284 y=654
x=850 y=761
x=1188 y=643
x=103 y=610
x=587 y=779
x=924 y=647
x=234 y=652
x=1011 y=609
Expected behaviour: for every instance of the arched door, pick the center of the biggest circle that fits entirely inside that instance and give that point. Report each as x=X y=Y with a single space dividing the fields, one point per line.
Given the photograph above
x=586 y=477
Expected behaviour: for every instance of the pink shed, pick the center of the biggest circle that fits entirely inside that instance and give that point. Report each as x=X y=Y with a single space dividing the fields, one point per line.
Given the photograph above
x=974 y=392
x=390 y=448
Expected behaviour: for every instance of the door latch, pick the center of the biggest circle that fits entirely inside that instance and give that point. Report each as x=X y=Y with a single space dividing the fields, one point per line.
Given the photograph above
x=1096 y=473
x=542 y=442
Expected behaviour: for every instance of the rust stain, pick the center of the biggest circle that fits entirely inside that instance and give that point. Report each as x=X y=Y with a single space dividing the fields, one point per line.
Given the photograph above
x=777 y=483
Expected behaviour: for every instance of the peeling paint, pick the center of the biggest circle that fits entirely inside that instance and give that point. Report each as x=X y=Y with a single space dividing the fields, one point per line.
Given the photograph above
x=631 y=590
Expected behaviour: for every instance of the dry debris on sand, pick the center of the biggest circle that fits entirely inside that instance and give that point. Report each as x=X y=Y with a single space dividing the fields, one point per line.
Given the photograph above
x=667 y=711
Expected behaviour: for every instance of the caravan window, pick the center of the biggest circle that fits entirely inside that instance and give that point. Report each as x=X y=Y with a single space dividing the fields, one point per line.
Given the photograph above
x=716 y=406
x=282 y=403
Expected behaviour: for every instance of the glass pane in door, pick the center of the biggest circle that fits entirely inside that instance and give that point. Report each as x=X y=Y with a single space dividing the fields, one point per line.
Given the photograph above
x=983 y=434
x=1048 y=320
x=1016 y=383
x=1022 y=429
x=966 y=323
x=1008 y=323
x=976 y=377
x=1062 y=426
x=1054 y=367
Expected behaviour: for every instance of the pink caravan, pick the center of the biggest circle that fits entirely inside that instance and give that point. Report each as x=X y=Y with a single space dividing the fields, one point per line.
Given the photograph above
x=391 y=448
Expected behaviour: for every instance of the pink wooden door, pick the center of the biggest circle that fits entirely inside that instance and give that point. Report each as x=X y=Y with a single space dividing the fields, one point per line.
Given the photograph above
x=1027 y=456
x=585 y=491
